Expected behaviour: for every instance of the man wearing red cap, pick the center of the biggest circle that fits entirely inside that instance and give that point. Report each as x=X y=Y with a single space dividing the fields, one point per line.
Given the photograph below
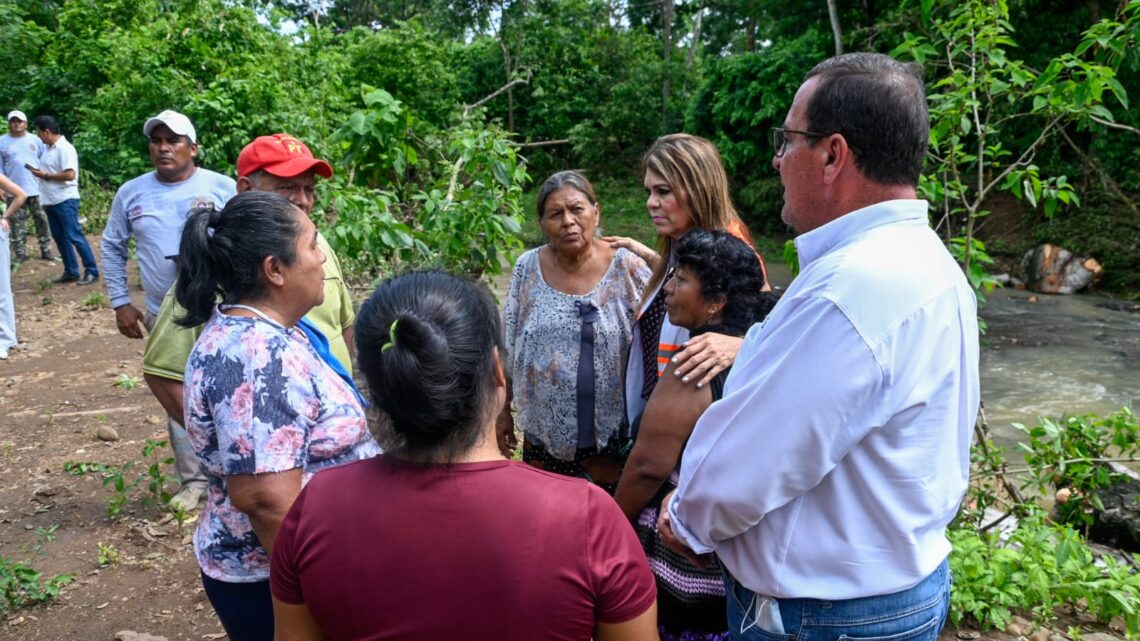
x=284 y=165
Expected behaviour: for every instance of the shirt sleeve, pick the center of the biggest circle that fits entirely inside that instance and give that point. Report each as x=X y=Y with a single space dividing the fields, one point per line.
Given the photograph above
x=623 y=585
x=70 y=160
x=114 y=247
x=782 y=425
x=284 y=579
x=169 y=345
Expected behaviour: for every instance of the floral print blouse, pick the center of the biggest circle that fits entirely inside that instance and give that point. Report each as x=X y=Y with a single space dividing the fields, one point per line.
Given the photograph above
x=543 y=333
x=259 y=399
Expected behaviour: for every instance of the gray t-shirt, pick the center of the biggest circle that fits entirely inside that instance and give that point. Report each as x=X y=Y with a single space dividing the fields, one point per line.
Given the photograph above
x=153 y=212
x=15 y=152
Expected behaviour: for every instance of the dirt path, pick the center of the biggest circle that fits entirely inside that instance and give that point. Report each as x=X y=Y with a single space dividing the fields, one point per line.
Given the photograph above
x=55 y=393
x=134 y=571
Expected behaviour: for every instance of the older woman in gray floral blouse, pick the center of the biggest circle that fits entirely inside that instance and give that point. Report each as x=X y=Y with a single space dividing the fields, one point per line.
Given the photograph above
x=568 y=316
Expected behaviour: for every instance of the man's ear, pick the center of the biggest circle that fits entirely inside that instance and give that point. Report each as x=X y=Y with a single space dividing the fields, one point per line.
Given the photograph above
x=837 y=157
x=244 y=184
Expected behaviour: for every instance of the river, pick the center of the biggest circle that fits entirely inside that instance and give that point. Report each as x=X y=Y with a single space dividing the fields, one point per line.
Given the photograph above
x=1053 y=355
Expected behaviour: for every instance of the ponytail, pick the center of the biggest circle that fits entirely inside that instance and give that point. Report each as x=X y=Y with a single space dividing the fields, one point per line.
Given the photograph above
x=222 y=251
x=426 y=343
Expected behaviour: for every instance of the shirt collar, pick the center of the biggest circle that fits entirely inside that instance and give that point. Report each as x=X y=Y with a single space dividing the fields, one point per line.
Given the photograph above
x=849 y=226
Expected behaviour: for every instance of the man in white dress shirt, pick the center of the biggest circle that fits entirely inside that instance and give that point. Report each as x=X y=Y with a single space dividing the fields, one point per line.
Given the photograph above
x=825 y=477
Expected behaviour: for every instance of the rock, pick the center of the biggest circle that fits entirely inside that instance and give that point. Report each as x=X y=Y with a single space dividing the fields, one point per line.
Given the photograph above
x=1098 y=636
x=1118 y=524
x=1057 y=636
x=106 y=433
x=1050 y=269
x=131 y=635
x=1040 y=635
x=1013 y=629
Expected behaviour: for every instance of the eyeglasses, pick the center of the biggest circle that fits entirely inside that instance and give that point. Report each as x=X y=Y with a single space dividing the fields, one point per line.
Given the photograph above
x=780 y=139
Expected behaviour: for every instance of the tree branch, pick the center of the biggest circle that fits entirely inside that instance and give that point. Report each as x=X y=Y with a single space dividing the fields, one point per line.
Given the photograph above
x=1114 y=125
x=982 y=432
x=1105 y=179
x=517 y=81
x=543 y=143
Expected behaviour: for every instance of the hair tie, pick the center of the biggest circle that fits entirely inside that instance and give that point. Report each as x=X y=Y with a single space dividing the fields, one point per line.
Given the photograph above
x=210 y=231
x=391 y=337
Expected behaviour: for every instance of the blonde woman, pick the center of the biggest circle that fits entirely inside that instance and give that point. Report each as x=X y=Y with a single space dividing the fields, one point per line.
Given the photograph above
x=687 y=189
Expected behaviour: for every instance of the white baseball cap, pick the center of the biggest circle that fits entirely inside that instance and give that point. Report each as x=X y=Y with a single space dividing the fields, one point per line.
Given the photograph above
x=17 y=114
x=177 y=123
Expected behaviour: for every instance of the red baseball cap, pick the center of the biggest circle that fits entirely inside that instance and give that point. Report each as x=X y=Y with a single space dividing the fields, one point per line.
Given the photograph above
x=281 y=155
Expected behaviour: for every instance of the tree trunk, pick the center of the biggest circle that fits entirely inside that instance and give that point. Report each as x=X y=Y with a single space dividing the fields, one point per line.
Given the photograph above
x=750 y=38
x=833 y=13
x=696 y=37
x=667 y=37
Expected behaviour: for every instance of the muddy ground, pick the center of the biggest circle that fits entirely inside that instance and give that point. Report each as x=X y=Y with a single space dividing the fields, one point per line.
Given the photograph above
x=132 y=571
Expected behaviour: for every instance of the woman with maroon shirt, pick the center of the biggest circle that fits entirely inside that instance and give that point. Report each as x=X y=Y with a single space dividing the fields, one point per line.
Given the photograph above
x=442 y=537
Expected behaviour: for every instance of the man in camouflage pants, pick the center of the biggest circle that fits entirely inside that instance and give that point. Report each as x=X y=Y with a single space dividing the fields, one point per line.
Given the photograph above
x=17 y=151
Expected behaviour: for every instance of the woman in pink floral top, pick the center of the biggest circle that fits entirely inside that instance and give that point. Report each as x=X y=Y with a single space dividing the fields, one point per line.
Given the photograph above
x=264 y=410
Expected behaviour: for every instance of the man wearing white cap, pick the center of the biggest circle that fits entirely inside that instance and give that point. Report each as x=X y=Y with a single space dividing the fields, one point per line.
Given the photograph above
x=152 y=209
x=18 y=152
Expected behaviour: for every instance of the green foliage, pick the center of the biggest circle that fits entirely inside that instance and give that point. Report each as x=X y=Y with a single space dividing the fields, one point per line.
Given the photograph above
x=1039 y=568
x=982 y=93
x=22 y=585
x=1072 y=452
x=791 y=257
x=96 y=301
x=127 y=382
x=450 y=201
x=472 y=215
x=127 y=482
x=409 y=63
x=108 y=555
x=743 y=96
x=1042 y=565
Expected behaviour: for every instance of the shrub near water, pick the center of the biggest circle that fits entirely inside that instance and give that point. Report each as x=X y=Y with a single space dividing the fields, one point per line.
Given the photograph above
x=1042 y=565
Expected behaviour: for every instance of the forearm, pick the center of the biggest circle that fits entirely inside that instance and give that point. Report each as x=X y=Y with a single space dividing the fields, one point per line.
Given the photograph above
x=640 y=481
x=58 y=176
x=169 y=394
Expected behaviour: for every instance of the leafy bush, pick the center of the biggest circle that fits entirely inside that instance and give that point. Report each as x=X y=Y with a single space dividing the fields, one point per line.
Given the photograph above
x=450 y=201
x=1041 y=565
x=1073 y=452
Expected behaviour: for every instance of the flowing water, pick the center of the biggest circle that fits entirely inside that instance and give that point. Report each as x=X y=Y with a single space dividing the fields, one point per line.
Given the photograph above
x=1051 y=355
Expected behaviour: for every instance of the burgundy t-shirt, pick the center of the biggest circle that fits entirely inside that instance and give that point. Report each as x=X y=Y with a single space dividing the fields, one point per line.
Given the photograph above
x=383 y=549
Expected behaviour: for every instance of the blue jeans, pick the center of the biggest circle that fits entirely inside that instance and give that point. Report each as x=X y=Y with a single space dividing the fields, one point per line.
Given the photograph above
x=63 y=219
x=917 y=614
x=245 y=609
